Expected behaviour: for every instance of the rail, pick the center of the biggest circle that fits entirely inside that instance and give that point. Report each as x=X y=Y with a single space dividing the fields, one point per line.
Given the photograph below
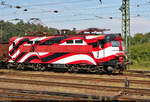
x=82 y=78
x=136 y=91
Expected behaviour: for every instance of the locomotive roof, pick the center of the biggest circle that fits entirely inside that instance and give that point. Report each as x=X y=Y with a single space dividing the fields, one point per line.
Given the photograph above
x=74 y=35
x=85 y=36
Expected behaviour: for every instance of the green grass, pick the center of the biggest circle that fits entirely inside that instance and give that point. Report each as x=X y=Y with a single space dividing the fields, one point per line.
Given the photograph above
x=140 y=66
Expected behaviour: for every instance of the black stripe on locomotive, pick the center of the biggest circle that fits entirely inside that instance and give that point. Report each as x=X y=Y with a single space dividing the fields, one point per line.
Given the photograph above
x=17 y=46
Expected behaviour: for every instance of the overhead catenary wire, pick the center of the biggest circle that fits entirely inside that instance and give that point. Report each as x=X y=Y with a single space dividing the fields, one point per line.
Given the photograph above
x=74 y=14
x=79 y=1
x=57 y=3
x=70 y=2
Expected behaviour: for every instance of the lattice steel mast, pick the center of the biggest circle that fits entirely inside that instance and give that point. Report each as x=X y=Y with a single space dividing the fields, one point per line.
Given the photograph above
x=125 y=8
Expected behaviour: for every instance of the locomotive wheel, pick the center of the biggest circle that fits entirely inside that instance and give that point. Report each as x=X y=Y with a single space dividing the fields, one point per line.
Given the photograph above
x=109 y=69
x=20 y=66
x=70 y=69
x=74 y=68
x=8 y=66
x=35 y=67
x=93 y=70
x=42 y=68
x=39 y=67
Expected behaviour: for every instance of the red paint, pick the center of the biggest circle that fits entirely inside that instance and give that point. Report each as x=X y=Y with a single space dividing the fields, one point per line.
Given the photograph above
x=57 y=48
x=70 y=49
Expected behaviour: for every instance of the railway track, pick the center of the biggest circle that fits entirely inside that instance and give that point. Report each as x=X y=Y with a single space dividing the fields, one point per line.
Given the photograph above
x=132 y=91
x=120 y=90
x=138 y=71
x=132 y=73
x=20 y=94
x=81 y=78
x=43 y=95
x=136 y=75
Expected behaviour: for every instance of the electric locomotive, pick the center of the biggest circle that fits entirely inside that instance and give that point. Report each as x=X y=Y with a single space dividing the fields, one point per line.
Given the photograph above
x=90 y=52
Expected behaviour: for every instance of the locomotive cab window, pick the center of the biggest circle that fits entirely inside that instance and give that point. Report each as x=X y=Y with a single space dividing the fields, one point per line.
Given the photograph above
x=115 y=43
x=78 y=41
x=69 y=41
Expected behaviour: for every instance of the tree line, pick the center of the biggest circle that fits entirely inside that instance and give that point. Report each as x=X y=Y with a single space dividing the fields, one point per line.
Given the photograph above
x=140 y=48
x=8 y=29
x=139 y=43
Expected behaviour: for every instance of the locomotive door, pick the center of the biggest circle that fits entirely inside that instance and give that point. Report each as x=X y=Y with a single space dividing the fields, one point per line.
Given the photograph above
x=101 y=52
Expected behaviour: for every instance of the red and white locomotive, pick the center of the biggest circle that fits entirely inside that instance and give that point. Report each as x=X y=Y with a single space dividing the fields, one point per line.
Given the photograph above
x=89 y=52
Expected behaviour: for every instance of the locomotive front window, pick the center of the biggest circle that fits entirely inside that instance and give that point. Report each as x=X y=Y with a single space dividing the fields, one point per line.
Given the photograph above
x=115 y=43
x=78 y=41
x=69 y=41
x=122 y=44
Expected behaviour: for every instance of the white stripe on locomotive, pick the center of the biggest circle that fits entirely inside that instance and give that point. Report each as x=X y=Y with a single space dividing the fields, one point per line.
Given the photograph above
x=106 y=52
x=74 y=58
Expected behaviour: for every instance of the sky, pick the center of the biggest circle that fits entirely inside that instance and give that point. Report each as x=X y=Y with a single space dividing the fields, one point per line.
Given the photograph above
x=79 y=14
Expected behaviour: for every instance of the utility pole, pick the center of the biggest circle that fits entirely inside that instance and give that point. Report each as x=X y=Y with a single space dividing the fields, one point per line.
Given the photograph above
x=125 y=29
x=125 y=9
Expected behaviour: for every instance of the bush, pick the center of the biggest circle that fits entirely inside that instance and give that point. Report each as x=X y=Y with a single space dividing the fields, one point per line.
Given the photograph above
x=140 y=53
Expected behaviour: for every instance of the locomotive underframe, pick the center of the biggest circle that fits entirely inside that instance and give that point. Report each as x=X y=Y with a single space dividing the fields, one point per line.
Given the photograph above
x=109 y=67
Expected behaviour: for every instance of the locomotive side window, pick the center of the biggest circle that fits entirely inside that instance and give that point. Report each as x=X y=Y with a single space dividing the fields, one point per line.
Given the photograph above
x=37 y=42
x=13 y=44
x=48 y=42
x=69 y=41
x=30 y=42
x=101 y=43
x=78 y=41
x=115 y=43
x=94 y=44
